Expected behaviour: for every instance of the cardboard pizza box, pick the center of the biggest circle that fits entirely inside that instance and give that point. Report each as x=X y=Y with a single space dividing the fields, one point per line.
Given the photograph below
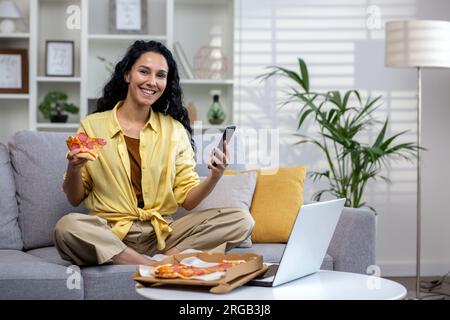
x=233 y=278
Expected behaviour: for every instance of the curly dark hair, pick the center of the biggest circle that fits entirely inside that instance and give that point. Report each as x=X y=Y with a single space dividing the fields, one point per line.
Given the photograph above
x=171 y=101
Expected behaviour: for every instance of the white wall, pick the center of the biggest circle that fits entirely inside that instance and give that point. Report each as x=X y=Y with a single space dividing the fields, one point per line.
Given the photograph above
x=343 y=53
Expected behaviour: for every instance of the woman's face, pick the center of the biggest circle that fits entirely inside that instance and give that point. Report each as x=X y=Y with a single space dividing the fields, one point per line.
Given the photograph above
x=147 y=78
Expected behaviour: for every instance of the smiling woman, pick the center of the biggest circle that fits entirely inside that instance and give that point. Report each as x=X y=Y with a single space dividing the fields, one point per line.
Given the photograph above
x=147 y=67
x=146 y=80
x=144 y=173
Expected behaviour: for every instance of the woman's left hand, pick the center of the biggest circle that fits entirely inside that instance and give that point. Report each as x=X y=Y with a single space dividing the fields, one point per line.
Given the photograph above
x=201 y=191
x=221 y=161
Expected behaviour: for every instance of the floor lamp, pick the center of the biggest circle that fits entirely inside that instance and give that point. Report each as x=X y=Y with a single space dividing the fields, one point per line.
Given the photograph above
x=419 y=44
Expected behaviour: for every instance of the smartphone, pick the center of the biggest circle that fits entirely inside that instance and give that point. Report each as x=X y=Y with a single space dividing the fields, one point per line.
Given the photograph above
x=226 y=136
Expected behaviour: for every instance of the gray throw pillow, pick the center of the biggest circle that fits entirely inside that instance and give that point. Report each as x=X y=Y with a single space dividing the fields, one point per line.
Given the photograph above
x=231 y=191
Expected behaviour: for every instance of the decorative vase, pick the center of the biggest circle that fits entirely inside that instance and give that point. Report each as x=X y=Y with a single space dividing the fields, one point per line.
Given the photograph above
x=192 y=112
x=210 y=63
x=60 y=118
x=216 y=114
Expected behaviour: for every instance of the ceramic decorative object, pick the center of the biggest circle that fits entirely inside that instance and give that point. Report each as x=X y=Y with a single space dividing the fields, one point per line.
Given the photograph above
x=216 y=113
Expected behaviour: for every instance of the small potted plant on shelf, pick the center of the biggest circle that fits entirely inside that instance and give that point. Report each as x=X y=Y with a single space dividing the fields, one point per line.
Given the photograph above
x=53 y=106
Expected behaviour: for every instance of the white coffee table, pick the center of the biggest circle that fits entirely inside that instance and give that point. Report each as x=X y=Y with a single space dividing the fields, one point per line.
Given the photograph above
x=323 y=285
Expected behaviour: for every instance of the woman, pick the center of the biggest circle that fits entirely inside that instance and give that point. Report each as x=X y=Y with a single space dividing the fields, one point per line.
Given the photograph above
x=144 y=172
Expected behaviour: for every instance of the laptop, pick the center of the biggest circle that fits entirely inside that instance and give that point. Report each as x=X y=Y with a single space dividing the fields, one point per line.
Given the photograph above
x=307 y=244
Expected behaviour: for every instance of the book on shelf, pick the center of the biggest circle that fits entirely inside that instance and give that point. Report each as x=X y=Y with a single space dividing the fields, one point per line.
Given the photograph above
x=183 y=62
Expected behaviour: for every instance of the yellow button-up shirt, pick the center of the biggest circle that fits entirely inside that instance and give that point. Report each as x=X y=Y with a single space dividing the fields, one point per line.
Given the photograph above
x=168 y=172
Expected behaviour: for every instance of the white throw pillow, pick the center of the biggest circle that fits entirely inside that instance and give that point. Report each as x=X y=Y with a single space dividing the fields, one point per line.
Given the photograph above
x=230 y=191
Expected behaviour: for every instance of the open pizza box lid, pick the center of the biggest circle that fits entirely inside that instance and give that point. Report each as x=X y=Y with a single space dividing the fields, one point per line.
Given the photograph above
x=233 y=277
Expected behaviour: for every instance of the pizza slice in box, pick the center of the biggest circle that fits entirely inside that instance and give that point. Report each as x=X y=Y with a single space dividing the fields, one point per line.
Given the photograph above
x=89 y=147
x=179 y=270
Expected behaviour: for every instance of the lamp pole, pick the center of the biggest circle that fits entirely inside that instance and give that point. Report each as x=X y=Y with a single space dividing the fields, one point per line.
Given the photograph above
x=419 y=184
x=419 y=44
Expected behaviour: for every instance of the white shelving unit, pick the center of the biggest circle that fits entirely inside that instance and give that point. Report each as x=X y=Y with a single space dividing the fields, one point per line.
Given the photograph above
x=58 y=79
x=17 y=35
x=15 y=96
x=58 y=126
x=204 y=25
x=14 y=107
x=207 y=81
x=126 y=37
x=192 y=23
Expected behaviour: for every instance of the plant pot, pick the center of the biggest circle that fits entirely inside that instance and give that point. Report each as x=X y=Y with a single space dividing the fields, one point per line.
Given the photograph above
x=59 y=118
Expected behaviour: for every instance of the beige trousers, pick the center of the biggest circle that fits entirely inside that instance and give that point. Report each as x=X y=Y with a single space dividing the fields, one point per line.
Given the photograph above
x=88 y=240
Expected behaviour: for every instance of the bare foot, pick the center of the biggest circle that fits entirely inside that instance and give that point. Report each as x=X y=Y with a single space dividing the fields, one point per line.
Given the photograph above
x=129 y=256
x=172 y=251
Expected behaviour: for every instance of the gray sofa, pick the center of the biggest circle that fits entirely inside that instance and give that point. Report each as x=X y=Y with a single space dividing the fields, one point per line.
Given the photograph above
x=31 y=202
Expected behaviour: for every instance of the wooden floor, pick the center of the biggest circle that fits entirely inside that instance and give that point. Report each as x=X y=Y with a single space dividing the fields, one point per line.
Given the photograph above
x=410 y=284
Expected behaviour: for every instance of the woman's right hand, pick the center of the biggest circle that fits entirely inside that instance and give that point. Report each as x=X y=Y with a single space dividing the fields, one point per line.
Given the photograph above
x=75 y=163
x=73 y=182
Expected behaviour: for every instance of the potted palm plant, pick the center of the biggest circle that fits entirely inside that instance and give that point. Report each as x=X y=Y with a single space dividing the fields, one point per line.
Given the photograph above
x=351 y=163
x=55 y=106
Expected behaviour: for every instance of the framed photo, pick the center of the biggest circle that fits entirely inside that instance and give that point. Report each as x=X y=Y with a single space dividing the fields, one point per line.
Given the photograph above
x=13 y=71
x=59 y=58
x=128 y=16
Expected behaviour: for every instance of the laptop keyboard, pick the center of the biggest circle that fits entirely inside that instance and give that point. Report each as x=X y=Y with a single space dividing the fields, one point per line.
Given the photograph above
x=271 y=271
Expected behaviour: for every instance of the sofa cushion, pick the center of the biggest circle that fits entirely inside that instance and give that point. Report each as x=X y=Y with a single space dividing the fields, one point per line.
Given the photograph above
x=10 y=235
x=231 y=191
x=112 y=282
x=327 y=263
x=100 y=282
x=24 y=276
x=49 y=254
x=38 y=161
x=353 y=244
x=272 y=253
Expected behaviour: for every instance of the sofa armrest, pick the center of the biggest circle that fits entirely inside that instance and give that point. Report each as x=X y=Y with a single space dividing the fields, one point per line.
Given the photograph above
x=353 y=244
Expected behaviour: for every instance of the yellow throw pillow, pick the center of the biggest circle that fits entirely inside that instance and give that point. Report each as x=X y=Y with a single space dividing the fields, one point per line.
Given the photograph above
x=276 y=201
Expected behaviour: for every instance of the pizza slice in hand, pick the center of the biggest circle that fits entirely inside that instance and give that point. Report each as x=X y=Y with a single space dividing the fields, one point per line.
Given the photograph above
x=89 y=147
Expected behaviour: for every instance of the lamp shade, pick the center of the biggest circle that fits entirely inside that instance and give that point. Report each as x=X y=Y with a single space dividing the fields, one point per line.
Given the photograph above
x=9 y=9
x=417 y=43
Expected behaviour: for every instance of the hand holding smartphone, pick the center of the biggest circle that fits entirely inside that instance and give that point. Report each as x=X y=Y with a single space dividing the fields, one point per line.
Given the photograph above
x=226 y=136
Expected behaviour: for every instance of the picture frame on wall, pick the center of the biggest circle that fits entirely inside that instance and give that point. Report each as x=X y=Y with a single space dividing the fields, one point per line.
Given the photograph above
x=13 y=70
x=128 y=16
x=59 y=58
